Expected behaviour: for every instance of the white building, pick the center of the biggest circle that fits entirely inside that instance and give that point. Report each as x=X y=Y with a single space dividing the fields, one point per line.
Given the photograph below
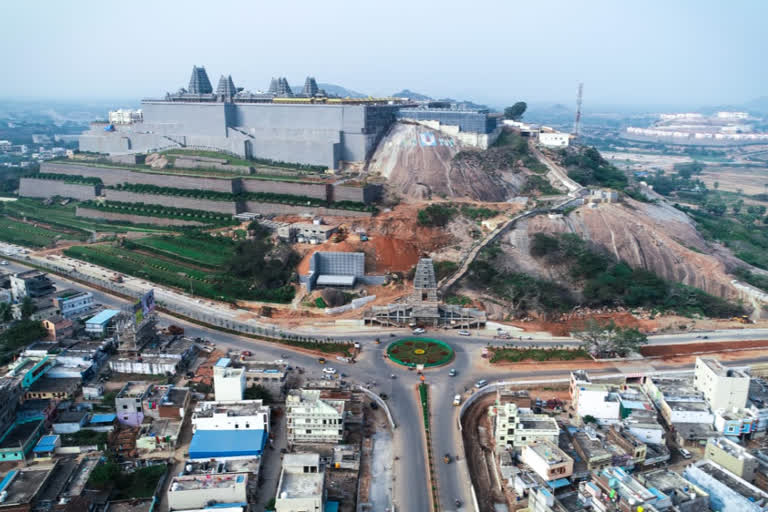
x=302 y=484
x=125 y=116
x=723 y=388
x=312 y=419
x=727 y=492
x=600 y=401
x=515 y=428
x=547 y=460
x=228 y=382
x=189 y=492
x=236 y=415
x=72 y=302
x=554 y=139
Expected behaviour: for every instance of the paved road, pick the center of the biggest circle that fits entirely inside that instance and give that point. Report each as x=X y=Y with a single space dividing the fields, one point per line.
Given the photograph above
x=371 y=366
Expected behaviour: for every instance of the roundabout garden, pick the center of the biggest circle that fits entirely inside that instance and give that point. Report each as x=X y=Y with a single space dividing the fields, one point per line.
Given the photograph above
x=416 y=351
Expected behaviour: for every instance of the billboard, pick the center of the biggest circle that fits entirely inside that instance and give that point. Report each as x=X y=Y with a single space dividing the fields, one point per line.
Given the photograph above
x=144 y=306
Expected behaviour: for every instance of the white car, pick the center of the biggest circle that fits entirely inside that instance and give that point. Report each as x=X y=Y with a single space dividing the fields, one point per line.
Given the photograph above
x=464 y=333
x=457 y=400
x=329 y=371
x=418 y=330
x=4 y=262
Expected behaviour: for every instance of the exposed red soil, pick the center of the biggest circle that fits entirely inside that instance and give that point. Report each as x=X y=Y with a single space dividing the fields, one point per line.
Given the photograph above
x=382 y=254
x=565 y=327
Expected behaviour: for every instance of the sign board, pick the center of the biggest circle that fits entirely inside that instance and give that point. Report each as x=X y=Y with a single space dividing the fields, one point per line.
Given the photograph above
x=144 y=306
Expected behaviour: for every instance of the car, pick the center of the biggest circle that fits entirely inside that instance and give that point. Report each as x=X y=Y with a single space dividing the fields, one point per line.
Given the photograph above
x=329 y=370
x=418 y=331
x=321 y=360
x=4 y=262
x=464 y=332
x=393 y=376
x=384 y=396
x=481 y=383
x=374 y=405
x=457 y=400
x=453 y=372
x=685 y=453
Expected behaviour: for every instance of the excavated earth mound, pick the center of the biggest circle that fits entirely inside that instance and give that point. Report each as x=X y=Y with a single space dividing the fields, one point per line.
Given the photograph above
x=418 y=163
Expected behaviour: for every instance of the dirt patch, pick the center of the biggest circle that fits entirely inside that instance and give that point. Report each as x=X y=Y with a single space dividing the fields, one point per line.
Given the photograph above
x=692 y=348
x=476 y=434
x=383 y=254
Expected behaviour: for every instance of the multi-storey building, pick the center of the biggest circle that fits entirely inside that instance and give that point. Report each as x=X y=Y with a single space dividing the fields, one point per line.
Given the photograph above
x=228 y=381
x=723 y=388
x=547 y=460
x=31 y=283
x=312 y=419
x=72 y=303
x=514 y=428
x=732 y=456
x=302 y=484
x=129 y=402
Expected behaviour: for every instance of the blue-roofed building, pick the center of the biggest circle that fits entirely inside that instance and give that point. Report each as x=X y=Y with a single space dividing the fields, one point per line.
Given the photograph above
x=19 y=439
x=97 y=325
x=46 y=447
x=223 y=444
x=104 y=422
x=331 y=506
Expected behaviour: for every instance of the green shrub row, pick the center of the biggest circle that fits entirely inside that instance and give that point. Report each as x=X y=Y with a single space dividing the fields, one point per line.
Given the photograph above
x=166 y=212
x=68 y=178
x=266 y=197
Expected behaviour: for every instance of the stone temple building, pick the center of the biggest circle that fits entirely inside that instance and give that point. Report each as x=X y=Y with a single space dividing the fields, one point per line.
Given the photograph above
x=304 y=128
x=422 y=306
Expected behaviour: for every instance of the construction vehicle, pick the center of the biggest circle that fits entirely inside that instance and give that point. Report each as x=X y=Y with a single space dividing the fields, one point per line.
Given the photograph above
x=743 y=319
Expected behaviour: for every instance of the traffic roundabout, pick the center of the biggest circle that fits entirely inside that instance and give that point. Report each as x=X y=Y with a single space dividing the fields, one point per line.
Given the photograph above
x=420 y=351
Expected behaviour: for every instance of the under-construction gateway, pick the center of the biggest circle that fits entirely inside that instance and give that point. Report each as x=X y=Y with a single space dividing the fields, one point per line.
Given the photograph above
x=422 y=307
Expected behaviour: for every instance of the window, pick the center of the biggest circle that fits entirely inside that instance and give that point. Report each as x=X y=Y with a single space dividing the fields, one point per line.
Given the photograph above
x=125 y=406
x=237 y=426
x=307 y=431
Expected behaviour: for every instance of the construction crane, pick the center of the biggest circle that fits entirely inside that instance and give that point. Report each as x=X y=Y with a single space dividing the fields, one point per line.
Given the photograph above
x=577 y=121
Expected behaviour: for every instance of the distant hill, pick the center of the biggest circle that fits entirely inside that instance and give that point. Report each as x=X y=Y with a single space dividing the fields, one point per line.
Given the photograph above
x=758 y=104
x=407 y=93
x=333 y=90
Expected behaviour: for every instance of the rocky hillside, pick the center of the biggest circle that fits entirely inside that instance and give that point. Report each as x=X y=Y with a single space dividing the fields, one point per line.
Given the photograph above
x=420 y=163
x=656 y=237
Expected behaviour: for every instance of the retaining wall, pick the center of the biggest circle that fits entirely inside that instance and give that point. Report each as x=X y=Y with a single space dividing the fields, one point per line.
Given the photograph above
x=117 y=176
x=33 y=187
x=230 y=207
x=90 y=213
x=314 y=190
x=288 y=209
x=365 y=194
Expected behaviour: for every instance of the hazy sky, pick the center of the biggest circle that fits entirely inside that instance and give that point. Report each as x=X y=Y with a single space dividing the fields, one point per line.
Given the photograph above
x=627 y=52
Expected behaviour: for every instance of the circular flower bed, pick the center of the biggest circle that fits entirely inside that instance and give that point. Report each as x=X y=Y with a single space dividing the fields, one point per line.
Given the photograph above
x=415 y=351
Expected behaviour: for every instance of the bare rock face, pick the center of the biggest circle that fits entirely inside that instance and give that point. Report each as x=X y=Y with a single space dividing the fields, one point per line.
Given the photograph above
x=159 y=163
x=656 y=237
x=419 y=162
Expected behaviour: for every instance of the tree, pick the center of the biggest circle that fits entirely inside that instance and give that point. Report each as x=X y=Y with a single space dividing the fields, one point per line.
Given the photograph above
x=606 y=339
x=516 y=111
x=27 y=308
x=588 y=419
x=258 y=392
x=627 y=340
x=6 y=313
x=104 y=474
x=716 y=185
